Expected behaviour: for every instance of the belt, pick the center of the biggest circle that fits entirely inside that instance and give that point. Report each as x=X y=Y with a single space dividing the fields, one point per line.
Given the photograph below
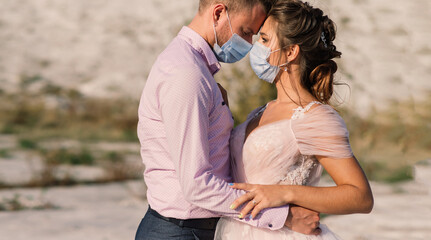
x=198 y=223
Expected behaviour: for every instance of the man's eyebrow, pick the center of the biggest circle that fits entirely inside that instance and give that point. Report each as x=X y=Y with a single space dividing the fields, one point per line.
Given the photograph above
x=263 y=34
x=251 y=31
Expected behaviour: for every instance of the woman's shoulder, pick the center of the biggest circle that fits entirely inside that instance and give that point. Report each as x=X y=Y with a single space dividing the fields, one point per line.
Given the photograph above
x=323 y=132
x=324 y=112
x=320 y=116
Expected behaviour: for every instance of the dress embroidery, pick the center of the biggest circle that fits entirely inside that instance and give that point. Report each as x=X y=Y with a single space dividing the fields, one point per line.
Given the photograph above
x=300 y=111
x=298 y=173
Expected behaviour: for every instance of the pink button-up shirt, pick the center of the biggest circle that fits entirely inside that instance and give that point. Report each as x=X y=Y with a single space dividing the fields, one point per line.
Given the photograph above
x=184 y=129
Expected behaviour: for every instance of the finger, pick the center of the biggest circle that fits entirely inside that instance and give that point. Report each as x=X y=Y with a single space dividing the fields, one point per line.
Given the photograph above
x=312 y=215
x=315 y=225
x=250 y=205
x=312 y=222
x=317 y=231
x=257 y=209
x=241 y=200
x=313 y=219
x=242 y=186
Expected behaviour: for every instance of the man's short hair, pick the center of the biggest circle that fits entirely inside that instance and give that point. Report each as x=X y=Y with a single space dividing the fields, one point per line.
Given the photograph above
x=234 y=5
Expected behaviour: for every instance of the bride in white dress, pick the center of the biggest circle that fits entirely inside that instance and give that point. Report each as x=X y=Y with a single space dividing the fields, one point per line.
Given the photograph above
x=285 y=144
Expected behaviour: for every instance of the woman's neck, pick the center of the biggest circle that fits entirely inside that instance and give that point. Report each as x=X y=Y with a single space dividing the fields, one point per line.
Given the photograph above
x=289 y=90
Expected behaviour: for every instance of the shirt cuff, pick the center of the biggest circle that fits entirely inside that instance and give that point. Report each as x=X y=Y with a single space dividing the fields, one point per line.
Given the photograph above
x=273 y=218
x=270 y=218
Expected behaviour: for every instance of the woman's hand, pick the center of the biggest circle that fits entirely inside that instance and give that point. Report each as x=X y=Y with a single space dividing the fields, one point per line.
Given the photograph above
x=260 y=197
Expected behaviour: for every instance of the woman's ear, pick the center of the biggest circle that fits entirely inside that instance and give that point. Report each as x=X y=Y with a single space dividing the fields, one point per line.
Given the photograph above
x=293 y=53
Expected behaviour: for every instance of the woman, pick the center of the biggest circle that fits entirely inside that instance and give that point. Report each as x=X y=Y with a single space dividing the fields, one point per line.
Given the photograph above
x=285 y=143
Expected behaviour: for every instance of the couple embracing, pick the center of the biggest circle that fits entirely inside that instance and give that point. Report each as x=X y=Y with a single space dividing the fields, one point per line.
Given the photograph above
x=257 y=181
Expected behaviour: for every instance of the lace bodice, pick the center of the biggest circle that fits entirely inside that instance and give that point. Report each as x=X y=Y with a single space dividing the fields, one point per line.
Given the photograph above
x=281 y=152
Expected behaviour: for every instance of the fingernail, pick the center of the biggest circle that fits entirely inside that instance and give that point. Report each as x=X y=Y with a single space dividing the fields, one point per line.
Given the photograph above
x=250 y=217
x=240 y=216
x=230 y=184
x=232 y=206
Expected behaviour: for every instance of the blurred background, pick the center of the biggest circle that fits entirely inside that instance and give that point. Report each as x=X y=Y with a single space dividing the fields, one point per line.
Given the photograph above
x=72 y=72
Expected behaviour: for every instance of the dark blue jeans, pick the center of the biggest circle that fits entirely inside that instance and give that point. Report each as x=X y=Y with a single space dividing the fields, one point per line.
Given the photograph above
x=154 y=228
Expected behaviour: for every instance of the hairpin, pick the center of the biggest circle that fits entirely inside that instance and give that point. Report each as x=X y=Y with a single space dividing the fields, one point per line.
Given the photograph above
x=322 y=36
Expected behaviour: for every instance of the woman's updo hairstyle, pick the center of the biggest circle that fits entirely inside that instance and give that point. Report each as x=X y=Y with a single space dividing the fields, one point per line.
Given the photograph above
x=298 y=23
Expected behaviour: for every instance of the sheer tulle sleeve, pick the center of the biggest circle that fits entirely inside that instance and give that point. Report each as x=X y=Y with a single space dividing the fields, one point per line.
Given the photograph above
x=321 y=131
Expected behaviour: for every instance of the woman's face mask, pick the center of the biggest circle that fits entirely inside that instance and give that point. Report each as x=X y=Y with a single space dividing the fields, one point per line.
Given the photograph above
x=259 y=55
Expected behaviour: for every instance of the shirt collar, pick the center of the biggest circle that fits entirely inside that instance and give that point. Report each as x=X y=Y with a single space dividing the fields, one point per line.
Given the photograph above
x=199 y=44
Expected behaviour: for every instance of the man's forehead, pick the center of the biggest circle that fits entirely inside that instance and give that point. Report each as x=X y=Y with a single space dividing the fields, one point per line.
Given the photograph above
x=252 y=19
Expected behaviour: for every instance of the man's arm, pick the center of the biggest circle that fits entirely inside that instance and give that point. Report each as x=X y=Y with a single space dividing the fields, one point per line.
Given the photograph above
x=186 y=100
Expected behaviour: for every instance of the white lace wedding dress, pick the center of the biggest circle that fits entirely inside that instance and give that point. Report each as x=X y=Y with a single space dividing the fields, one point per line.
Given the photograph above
x=283 y=152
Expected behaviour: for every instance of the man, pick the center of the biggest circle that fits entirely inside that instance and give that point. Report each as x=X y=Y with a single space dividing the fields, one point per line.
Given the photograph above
x=184 y=128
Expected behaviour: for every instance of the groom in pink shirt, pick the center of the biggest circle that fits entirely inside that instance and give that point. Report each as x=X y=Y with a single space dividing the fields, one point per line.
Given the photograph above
x=185 y=125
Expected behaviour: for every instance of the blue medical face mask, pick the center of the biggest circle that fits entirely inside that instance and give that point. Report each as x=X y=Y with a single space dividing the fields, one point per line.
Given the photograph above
x=259 y=63
x=233 y=50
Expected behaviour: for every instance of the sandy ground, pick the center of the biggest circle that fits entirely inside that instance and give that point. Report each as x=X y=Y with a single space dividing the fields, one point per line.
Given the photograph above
x=401 y=211
x=102 y=48
x=23 y=166
x=99 y=212
x=113 y=211
x=386 y=49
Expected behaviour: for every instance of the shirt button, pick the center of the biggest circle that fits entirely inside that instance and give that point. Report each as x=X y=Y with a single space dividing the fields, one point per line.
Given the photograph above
x=270 y=225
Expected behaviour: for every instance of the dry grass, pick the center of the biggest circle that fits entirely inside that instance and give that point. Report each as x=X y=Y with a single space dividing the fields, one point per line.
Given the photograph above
x=389 y=142
x=66 y=156
x=20 y=203
x=4 y=153
x=54 y=112
x=254 y=92
x=113 y=163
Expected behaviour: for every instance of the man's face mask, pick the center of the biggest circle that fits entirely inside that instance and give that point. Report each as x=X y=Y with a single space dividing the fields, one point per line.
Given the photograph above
x=235 y=49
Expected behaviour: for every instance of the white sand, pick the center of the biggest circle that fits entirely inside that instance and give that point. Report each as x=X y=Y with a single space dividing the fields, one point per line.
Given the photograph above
x=100 y=212
x=106 y=48
x=113 y=211
x=401 y=211
x=97 y=46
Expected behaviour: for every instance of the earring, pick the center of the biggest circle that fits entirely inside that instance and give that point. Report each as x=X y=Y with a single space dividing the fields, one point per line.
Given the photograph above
x=284 y=65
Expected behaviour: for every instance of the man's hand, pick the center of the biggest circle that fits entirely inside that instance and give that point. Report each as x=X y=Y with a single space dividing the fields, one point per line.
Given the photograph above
x=224 y=94
x=303 y=220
